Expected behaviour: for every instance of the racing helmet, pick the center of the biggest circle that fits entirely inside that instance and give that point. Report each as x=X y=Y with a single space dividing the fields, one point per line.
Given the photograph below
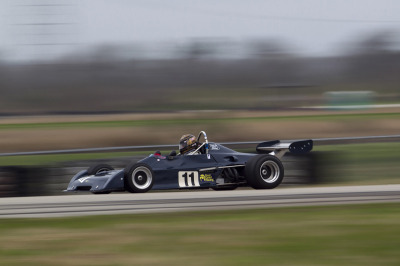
x=187 y=143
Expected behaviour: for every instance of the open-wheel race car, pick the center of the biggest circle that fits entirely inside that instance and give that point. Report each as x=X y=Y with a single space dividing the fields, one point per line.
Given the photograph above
x=211 y=165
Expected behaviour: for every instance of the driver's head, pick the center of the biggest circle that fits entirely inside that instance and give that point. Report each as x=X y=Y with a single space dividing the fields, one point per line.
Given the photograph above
x=187 y=144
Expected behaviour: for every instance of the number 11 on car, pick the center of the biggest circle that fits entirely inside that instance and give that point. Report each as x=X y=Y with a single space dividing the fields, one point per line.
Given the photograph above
x=188 y=179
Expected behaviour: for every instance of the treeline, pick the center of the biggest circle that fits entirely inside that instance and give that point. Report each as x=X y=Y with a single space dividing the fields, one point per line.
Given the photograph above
x=107 y=83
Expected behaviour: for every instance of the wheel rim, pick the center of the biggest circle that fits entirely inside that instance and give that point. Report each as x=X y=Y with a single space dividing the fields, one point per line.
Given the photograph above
x=269 y=171
x=141 y=177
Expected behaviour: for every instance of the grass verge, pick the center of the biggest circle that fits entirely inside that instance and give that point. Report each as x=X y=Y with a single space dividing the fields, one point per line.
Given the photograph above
x=338 y=235
x=366 y=164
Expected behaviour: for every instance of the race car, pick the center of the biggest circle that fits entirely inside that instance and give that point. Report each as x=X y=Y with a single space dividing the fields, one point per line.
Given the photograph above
x=211 y=165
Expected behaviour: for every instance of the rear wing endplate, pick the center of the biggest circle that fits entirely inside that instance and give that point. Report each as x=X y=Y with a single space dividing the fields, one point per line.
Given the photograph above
x=278 y=148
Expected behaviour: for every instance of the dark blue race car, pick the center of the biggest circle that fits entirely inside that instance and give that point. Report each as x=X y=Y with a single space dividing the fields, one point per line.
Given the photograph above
x=212 y=165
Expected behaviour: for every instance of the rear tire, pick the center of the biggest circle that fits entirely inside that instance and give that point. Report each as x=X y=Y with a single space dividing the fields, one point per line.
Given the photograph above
x=264 y=172
x=139 y=178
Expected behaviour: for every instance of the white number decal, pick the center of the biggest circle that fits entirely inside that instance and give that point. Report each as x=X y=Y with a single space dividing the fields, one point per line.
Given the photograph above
x=188 y=179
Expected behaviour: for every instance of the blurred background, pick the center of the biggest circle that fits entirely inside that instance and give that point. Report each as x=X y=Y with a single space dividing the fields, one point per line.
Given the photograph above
x=77 y=57
x=96 y=73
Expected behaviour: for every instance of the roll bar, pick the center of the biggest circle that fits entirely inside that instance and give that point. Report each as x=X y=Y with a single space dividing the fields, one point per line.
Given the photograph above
x=205 y=143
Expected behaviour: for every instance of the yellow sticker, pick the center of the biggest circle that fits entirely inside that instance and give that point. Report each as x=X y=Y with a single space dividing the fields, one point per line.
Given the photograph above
x=206 y=178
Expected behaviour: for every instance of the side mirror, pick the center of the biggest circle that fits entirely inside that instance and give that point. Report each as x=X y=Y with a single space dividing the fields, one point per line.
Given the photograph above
x=171 y=155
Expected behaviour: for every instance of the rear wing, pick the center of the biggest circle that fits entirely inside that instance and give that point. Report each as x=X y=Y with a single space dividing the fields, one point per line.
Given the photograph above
x=278 y=148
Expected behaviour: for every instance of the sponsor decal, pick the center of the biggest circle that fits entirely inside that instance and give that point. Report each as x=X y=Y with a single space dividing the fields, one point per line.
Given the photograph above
x=214 y=146
x=206 y=178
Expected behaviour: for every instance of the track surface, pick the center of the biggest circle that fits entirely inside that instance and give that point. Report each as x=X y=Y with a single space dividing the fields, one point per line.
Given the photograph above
x=117 y=203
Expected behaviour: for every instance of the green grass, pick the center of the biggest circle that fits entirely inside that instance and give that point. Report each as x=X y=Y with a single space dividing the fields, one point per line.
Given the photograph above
x=338 y=235
x=32 y=160
x=368 y=152
x=368 y=163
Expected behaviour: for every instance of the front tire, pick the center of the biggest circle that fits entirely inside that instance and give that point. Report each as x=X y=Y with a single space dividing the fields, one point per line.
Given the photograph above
x=225 y=188
x=264 y=172
x=99 y=168
x=101 y=193
x=139 y=178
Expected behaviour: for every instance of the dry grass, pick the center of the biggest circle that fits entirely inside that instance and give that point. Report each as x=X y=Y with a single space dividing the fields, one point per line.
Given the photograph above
x=185 y=115
x=220 y=126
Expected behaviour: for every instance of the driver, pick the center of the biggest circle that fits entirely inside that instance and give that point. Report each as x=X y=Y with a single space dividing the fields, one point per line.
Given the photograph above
x=188 y=144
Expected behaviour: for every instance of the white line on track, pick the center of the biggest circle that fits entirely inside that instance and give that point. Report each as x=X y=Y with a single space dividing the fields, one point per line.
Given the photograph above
x=118 y=203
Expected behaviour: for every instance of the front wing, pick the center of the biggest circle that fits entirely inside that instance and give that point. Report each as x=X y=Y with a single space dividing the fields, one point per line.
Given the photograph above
x=102 y=182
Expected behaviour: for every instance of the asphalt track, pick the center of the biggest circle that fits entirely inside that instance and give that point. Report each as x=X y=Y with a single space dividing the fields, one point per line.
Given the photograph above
x=118 y=203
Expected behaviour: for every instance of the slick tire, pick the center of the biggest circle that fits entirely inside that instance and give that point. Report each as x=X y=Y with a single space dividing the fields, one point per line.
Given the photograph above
x=139 y=178
x=98 y=168
x=264 y=172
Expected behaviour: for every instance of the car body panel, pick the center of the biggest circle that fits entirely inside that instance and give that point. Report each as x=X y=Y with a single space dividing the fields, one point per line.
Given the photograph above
x=103 y=182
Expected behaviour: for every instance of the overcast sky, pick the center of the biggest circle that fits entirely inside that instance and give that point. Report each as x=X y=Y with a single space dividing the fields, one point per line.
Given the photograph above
x=312 y=27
